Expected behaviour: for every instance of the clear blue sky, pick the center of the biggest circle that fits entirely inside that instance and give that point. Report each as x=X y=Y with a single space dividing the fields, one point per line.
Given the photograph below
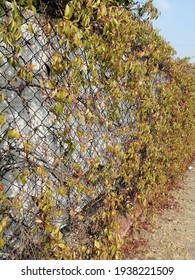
x=177 y=25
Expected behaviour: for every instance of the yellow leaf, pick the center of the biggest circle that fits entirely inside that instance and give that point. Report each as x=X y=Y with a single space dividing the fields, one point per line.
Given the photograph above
x=2 y=120
x=68 y=12
x=50 y=85
x=60 y=235
x=2 y=97
x=41 y=171
x=69 y=99
x=18 y=51
x=41 y=84
x=26 y=146
x=60 y=42
x=34 y=9
x=56 y=230
x=97 y=244
x=30 y=28
x=62 y=191
x=1 y=242
x=13 y=134
x=82 y=119
x=83 y=148
x=59 y=109
x=49 y=28
x=38 y=221
x=4 y=222
x=61 y=245
x=61 y=96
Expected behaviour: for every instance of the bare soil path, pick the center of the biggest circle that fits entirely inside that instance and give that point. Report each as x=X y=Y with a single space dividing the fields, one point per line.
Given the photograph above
x=173 y=235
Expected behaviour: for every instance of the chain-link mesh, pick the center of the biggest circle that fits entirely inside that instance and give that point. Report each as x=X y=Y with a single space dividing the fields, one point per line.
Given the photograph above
x=58 y=142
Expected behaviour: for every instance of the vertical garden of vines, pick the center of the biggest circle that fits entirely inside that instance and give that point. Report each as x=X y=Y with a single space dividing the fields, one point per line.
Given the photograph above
x=121 y=108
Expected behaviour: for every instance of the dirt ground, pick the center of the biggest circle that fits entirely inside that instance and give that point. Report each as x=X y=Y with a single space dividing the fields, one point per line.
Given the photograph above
x=172 y=236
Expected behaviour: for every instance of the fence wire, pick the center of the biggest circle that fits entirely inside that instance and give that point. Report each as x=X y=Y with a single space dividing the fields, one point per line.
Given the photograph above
x=52 y=146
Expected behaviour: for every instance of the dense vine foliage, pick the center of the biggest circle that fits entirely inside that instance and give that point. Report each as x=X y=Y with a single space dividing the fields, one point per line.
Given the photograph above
x=134 y=72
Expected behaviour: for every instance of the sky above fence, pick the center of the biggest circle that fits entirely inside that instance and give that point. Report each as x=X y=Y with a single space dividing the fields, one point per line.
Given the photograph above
x=177 y=25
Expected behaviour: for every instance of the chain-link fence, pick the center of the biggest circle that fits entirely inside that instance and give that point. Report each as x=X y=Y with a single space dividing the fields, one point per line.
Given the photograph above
x=57 y=128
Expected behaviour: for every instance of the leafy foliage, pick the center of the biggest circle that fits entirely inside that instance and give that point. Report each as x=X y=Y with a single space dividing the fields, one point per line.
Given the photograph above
x=132 y=66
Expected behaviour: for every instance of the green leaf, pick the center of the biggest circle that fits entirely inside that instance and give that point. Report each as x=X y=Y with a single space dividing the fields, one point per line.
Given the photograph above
x=33 y=9
x=13 y=62
x=83 y=148
x=62 y=191
x=30 y=78
x=27 y=146
x=12 y=25
x=59 y=109
x=13 y=134
x=30 y=28
x=82 y=119
x=97 y=244
x=68 y=12
x=41 y=171
x=61 y=96
x=14 y=10
x=2 y=97
x=69 y=99
x=18 y=50
x=2 y=120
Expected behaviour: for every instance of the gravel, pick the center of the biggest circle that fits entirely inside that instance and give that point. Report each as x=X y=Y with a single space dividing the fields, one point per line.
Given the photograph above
x=173 y=234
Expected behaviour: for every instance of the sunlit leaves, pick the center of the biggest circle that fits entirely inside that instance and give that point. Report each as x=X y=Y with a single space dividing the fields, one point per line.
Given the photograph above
x=68 y=12
x=33 y=9
x=30 y=28
x=57 y=65
x=3 y=226
x=123 y=109
x=61 y=95
x=27 y=146
x=41 y=171
x=13 y=134
x=2 y=120
x=57 y=108
x=62 y=190
x=2 y=96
